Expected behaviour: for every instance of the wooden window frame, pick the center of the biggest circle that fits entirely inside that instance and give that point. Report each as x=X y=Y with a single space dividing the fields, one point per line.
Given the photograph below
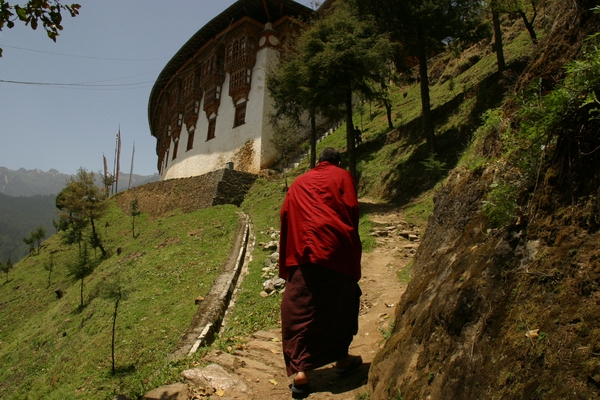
x=212 y=127
x=190 y=141
x=240 y=114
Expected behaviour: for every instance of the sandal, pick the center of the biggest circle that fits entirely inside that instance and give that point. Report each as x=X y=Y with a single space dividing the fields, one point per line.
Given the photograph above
x=300 y=391
x=356 y=362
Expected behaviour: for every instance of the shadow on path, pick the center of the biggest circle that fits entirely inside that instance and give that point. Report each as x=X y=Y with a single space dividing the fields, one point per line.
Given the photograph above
x=326 y=380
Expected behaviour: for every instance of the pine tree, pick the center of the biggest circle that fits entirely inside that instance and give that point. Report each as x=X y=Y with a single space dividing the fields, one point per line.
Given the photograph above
x=421 y=29
x=82 y=267
x=81 y=202
x=6 y=267
x=115 y=291
x=336 y=57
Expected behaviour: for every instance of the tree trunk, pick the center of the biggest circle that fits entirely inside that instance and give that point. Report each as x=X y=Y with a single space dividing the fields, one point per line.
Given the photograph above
x=350 y=135
x=96 y=239
x=388 y=110
x=529 y=24
x=498 y=41
x=313 y=140
x=112 y=346
x=425 y=100
x=81 y=291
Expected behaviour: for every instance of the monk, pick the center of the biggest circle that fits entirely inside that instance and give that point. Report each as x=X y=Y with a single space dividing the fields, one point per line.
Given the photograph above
x=319 y=257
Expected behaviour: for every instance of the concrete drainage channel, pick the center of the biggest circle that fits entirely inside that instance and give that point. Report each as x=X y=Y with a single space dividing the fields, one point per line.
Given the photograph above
x=211 y=311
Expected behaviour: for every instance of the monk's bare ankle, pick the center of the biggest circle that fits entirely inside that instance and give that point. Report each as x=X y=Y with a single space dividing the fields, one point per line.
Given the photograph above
x=301 y=378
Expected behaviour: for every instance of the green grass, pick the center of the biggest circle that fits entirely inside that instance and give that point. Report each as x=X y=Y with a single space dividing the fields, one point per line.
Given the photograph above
x=405 y=274
x=53 y=349
x=418 y=212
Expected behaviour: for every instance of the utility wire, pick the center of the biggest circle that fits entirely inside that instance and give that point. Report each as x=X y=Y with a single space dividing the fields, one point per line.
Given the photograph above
x=86 y=86
x=75 y=56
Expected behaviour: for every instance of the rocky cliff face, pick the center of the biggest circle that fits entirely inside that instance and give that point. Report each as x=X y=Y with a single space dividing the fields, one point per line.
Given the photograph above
x=495 y=314
x=511 y=313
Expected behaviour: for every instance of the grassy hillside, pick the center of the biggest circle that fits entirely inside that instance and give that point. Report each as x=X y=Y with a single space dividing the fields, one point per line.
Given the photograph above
x=54 y=349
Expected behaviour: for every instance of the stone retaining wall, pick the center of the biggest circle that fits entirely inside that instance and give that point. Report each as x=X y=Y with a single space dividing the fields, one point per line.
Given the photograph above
x=188 y=194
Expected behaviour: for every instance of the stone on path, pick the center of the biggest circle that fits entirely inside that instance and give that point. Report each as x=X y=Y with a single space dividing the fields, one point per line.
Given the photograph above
x=176 y=391
x=216 y=377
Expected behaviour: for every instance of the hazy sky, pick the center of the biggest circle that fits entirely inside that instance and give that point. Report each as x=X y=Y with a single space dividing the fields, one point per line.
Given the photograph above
x=105 y=62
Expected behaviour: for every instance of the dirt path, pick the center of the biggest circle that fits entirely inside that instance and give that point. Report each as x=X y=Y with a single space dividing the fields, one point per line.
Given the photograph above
x=258 y=371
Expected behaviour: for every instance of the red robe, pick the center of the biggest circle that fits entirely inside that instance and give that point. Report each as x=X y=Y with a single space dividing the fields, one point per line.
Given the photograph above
x=319 y=222
x=319 y=256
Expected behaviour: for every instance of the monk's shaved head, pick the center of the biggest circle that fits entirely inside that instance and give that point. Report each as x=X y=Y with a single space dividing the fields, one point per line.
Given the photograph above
x=331 y=155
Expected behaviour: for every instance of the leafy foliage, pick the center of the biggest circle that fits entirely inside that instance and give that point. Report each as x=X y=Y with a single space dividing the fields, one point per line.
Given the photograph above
x=81 y=268
x=501 y=204
x=81 y=202
x=552 y=142
x=421 y=28
x=287 y=137
x=6 y=267
x=337 y=56
x=34 y=12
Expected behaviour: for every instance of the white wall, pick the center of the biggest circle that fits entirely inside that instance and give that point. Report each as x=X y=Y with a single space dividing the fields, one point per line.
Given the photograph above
x=253 y=137
x=206 y=156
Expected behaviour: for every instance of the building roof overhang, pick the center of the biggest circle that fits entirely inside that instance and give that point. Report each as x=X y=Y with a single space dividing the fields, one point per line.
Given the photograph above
x=260 y=10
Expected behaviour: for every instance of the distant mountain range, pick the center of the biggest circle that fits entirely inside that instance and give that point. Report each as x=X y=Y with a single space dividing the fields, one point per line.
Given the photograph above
x=37 y=182
x=27 y=201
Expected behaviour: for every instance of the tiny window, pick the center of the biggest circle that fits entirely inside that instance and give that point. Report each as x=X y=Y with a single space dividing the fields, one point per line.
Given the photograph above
x=212 y=124
x=175 y=145
x=196 y=107
x=180 y=120
x=190 y=142
x=240 y=114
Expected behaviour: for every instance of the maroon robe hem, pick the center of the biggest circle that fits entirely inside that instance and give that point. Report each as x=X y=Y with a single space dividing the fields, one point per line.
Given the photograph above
x=319 y=317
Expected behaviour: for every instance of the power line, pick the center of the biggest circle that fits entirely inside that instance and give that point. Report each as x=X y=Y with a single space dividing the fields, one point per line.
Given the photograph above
x=81 y=85
x=75 y=56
